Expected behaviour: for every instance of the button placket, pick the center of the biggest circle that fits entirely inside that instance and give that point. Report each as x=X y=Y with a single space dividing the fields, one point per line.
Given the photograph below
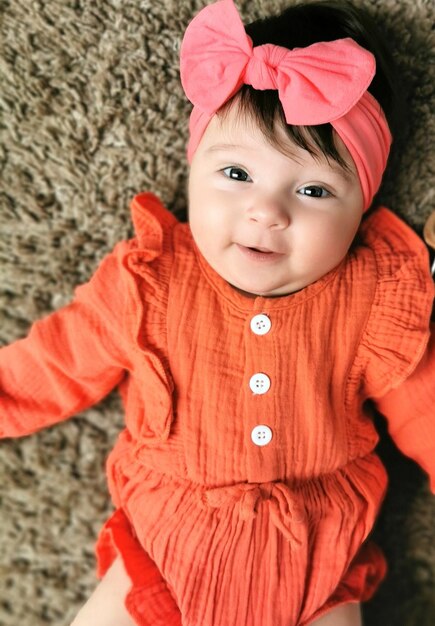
x=259 y=383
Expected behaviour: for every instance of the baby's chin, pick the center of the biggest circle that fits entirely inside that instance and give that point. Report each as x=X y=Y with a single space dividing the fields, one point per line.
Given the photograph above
x=272 y=293
x=271 y=287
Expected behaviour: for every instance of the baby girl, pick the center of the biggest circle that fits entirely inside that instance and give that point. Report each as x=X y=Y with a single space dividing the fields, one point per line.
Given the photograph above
x=246 y=343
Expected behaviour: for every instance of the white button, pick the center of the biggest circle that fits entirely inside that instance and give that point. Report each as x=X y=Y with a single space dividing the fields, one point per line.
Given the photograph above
x=259 y=383
x=260 y=324
x=261 y=435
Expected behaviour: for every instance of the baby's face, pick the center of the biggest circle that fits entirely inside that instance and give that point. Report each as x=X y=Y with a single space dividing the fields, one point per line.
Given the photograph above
x=269 y=223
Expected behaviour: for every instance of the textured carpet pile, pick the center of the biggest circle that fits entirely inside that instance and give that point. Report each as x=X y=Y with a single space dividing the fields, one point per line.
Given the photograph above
x=92 y=112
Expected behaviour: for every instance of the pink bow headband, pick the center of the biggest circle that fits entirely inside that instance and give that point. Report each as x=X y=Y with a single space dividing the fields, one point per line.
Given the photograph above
x=324 y=82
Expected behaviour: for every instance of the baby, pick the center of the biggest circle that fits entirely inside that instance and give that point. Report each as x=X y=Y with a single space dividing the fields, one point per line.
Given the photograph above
x=246 y=343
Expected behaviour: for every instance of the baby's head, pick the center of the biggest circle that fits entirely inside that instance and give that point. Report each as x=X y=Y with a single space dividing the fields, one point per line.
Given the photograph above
x=287 y=149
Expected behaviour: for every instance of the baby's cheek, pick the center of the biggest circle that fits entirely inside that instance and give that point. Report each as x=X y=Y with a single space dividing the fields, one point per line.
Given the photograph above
x=329 y=246
x=340 y=231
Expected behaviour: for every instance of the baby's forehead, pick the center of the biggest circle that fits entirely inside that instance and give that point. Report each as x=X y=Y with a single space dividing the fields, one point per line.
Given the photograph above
x=237 y=131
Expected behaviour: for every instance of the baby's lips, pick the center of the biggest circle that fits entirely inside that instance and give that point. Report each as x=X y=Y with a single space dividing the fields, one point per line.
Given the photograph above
x=429 y=230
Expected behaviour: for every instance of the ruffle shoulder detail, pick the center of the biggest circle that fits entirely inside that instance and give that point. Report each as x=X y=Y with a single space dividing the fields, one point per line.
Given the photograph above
x=397 y=329
x=151 y=221
x=148 y=261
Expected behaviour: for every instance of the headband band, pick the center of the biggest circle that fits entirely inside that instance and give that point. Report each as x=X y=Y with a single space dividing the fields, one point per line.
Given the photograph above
x=324 y=82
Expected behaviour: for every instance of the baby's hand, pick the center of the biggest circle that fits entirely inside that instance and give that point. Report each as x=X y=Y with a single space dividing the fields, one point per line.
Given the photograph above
x=429 y=235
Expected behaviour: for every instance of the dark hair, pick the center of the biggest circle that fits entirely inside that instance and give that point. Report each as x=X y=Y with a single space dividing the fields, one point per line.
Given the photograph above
x=300 y=26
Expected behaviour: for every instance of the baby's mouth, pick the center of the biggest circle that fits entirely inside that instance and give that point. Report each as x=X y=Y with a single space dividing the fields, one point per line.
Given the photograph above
x=263 y=250
x=258 y=253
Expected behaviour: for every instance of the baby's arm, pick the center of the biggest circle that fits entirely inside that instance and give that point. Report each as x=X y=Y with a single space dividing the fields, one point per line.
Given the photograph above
x=410 y=412
x=69 y=360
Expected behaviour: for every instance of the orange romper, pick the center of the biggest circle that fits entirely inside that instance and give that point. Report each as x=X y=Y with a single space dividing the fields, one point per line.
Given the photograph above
x=245 y=482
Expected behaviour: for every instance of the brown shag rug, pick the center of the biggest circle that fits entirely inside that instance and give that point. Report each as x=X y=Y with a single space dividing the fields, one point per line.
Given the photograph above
x=92 y=112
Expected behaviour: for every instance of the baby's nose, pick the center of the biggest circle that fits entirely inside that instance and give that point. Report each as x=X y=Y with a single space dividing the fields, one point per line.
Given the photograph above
x=270 y=213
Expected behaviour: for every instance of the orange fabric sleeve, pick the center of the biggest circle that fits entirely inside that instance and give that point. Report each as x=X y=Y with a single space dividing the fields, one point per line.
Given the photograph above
x=410 y=412
x=70 y=359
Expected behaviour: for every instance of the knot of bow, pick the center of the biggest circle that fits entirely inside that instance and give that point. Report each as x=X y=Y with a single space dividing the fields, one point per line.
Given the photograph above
x=285 y=508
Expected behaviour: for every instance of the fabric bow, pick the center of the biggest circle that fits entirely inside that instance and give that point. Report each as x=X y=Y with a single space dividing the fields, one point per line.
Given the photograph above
x=286 y=510
x=316 y=84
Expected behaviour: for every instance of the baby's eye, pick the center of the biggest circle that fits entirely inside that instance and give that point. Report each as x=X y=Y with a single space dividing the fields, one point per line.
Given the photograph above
x=314 y=191
x=236 y=173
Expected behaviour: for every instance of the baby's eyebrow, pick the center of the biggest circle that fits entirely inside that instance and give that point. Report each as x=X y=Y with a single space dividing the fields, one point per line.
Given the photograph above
x=348 y=175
